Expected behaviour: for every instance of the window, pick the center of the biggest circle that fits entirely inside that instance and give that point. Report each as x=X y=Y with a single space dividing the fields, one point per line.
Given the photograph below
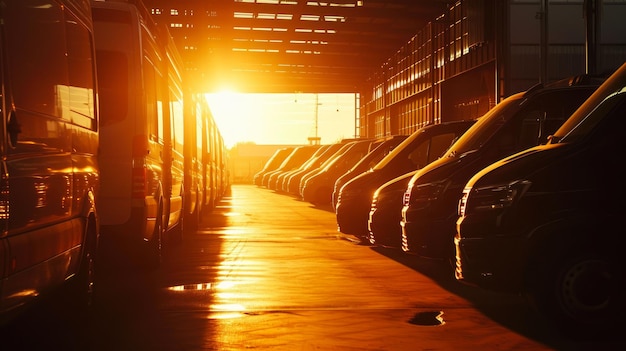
x=439 y=145
x=37 y=62
x=81 y=73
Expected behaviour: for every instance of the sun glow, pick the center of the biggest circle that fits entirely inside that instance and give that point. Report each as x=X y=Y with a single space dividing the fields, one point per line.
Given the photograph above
x=283 y=119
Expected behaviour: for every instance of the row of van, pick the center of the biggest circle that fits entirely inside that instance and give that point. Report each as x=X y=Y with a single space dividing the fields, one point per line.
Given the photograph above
x=310 y=172
x=103 y=145
x=525 y=199
x=509 y=225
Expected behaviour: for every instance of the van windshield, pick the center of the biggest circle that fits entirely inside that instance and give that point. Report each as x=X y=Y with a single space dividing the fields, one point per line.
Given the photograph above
x=397 y=150
x=591 y=112
x=478 y=134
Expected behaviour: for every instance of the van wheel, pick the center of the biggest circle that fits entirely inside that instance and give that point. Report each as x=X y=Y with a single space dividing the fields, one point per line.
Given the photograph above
x=82 y=288
x=582 y=294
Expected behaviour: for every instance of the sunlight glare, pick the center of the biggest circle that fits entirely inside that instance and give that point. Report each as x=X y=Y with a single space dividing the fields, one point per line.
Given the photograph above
x=283 y=119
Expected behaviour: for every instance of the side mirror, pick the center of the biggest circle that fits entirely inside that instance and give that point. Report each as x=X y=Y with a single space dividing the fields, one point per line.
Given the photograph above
x=13 y=128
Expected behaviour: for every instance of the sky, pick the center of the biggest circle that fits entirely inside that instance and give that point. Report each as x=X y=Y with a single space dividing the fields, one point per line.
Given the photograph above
x=284 y=119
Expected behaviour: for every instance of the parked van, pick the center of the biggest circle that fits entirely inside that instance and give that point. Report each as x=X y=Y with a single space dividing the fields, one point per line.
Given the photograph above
x=318 y=187
x=380 y=149
x=548 y=222
x=298 y=156
x=283 y=179
x=332 y=154
x=141 y=134
x=272 y=164
x=195 y=160
x=48 y=169
x=419 y=149
x=216 y=164
x=293 y=181
x=518 y=122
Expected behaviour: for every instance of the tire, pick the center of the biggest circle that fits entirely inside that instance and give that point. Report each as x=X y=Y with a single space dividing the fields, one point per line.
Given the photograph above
x=582 y=294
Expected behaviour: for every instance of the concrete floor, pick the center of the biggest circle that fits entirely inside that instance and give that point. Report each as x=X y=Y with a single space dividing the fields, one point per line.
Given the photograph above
x=269 y=272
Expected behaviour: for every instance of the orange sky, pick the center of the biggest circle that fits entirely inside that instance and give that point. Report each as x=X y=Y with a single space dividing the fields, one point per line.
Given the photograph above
x=282 y=118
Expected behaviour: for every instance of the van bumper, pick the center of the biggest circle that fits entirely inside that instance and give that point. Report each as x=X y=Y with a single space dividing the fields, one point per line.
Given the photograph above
x=494 y=263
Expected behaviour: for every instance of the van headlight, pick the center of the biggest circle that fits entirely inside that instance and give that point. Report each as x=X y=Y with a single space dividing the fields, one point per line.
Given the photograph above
x=350 y=193
x=493 y=197
x=421 y=195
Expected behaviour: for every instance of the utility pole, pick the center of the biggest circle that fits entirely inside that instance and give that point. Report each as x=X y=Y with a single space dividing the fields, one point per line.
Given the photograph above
x=315 y=140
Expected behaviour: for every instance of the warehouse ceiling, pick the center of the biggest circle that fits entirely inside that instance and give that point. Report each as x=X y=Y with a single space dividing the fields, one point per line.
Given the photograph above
x=286 y=46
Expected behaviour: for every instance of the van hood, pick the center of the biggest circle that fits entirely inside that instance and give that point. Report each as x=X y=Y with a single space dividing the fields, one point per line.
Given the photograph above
x=444 y=168
x=398 y=182
x=367 y=180
x=528 y=164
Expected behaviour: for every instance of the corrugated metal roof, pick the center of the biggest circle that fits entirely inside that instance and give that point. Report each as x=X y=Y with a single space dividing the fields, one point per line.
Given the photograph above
x=291 y=45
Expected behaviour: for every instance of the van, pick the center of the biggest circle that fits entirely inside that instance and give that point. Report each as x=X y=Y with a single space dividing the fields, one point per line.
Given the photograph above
x=141 y=133
x=196 y=181
x=272 y=164
x=49 y=169
x=318 y=187
x=298 y=156
x=520 y=121
x=339 y=149
x=282 y=180
x=380 y=149
x=216 y=163
x=548 y=222
x=419 y=149
x=293 y=181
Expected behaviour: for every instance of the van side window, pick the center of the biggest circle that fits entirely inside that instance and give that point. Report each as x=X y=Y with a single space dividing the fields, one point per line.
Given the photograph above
x=176 y=114
x=37 y=61
x=431 y=149
x=153 y=82
x=81 y=73
x=153 y=112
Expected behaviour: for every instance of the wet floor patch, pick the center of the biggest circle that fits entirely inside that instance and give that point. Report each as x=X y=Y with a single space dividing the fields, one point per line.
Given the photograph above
x=225 y=315
x=428 y=318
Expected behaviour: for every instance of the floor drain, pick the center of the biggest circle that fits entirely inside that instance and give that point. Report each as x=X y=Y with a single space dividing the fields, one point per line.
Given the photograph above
x=430 y=318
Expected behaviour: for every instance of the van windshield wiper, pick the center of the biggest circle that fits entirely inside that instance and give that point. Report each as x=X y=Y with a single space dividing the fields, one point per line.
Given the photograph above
x=453 y=153
x=553 y=139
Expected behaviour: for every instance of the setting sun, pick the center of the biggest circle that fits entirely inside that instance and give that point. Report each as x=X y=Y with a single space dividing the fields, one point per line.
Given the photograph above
x=283 y=118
